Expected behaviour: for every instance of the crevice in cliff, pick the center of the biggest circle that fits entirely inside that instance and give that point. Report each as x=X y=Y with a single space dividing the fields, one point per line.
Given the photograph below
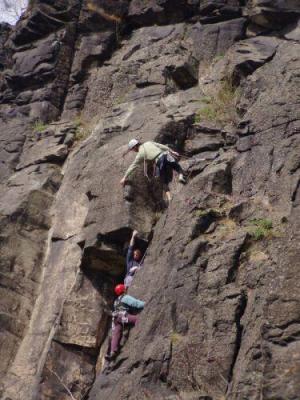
x=64 y=348
x=233 y=270
x=165 y=365
x=295 y=192
x=51 y=160
x=78 y=348
x=169 y=12
x=58 y=370
x=55 y=239
x=103 y=264
x=286 y=123
x=67 y=84
x=239 y=312
x=175 y=133
x=181 y=78
x=246 y=69
x=109 y=45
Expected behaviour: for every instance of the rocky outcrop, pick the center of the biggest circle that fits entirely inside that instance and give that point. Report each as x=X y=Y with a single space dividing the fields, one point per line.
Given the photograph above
x=217 y=81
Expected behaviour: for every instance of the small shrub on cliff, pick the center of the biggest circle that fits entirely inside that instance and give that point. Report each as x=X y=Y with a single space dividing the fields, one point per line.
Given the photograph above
x=39 y=126
x=260 y=228
x=207 y=113
x=83 y=129
x=220 y=105
x=218 y=57
x=175 y=338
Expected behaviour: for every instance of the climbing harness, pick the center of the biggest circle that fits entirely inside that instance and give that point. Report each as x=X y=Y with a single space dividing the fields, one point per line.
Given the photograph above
x=119 y=306
x=122 y=315
x=155 y=164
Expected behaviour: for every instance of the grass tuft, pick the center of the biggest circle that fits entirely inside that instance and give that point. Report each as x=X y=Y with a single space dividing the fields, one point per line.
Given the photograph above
x=218 y=57
x=264 y=223
x=220 y=105
x=260 y=228
x=175 y=338
x=39 y=126
x=83 y=129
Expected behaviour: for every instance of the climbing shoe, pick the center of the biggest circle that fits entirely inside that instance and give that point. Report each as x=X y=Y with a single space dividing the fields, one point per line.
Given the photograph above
x=182 y=178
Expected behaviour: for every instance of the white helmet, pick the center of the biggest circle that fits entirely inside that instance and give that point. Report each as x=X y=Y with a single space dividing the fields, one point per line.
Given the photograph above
x=133 y=143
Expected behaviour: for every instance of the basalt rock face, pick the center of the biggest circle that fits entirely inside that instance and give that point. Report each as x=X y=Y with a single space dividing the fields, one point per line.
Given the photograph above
x=219 y=82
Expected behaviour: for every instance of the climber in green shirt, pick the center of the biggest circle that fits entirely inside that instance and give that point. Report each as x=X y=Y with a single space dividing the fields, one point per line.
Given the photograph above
x=162 y=156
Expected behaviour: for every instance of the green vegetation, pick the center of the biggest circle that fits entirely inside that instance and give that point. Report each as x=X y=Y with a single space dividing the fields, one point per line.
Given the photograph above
x=260 y=228
x=219 y=106
x=83 y=130
x=175 y=337
x=218 y=57
x=81 y=134
x=264 y=223
x=206 y=100
x=39 y=126
x=207 y=113
x=78 y=121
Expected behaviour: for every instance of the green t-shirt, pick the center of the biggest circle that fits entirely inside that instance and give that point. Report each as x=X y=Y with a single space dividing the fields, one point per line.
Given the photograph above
x=148 y=151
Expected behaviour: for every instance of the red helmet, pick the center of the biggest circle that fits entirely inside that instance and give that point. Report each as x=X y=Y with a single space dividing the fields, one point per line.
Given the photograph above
x=120 y=289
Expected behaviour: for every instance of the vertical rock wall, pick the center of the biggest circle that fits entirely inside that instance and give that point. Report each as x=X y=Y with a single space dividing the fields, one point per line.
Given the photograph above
x=78 y=80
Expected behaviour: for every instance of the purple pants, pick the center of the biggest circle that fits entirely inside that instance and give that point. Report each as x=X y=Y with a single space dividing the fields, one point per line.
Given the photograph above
x=118 y=329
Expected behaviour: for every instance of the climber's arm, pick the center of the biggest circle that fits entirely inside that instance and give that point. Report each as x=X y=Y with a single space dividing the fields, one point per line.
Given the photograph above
x=133 y=166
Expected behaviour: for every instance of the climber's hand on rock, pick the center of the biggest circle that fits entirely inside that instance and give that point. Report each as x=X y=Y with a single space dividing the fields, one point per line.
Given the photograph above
x=122 y=181
x=134 y=233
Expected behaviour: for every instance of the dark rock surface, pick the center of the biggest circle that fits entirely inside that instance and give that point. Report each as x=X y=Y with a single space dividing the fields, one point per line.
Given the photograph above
x=220 y=281
x=273 y=14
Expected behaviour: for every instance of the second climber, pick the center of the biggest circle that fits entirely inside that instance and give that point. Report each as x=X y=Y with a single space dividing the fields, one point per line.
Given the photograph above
x=124 y=314
x=134 y=260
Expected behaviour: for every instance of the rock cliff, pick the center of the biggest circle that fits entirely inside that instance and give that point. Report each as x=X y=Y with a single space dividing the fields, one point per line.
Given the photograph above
x=217 y=81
